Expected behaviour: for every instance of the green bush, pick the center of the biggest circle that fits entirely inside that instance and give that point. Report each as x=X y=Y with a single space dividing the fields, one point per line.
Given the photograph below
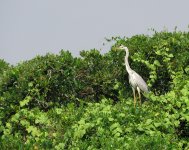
x=63 y=102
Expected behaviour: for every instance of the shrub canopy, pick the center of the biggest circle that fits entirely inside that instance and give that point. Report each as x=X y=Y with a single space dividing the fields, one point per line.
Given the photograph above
x=54 y=101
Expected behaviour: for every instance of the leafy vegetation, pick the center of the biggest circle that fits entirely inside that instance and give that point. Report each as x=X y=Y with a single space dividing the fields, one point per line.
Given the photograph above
x=64 y=102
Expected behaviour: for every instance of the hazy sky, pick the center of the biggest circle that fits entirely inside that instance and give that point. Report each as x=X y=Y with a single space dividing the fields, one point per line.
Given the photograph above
x=31 y=27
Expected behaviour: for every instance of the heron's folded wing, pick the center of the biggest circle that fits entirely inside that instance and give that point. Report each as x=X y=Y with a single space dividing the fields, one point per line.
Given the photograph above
x=140 y=82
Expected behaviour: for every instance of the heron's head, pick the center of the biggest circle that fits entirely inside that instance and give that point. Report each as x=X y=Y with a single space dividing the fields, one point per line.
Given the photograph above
x=123 y=47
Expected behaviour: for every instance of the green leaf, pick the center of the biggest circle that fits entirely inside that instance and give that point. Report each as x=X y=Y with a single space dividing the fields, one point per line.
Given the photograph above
x=176 y=123
x=122 y=115
x=25 y=101
x=157 y=124
x=116 y=86
x=58 y=111
x=24 y=122
x=42 y=118
x=187 y=69
x=178 y=104
x=148 y=121
x=115 y=125
x=82 y=121
x=156 y=62
x=158 y=52
x=111 y=119
x=140 y=128
x=79 y=133
x=33 y=130
x=170 y=55
x=30 y=84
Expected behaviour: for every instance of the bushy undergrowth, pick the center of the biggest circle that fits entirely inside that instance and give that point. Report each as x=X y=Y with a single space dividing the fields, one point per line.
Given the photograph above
x=101 y=125
x=62 y=102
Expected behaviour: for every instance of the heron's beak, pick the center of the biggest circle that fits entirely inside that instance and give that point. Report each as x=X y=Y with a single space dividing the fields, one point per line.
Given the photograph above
x=116 y=48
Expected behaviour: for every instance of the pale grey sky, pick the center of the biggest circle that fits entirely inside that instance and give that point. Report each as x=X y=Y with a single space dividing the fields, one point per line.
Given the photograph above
x=31 y=27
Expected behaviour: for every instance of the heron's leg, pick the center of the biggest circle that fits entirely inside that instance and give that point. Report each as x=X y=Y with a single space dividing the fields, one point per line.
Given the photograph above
x=138 y=89
x=134 y=97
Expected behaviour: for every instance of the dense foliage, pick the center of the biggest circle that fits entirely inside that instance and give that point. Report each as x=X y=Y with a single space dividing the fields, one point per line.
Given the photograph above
x=64 y=102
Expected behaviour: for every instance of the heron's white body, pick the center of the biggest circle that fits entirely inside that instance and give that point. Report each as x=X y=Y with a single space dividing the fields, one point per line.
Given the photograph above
x=135 y=80
x=133 y=77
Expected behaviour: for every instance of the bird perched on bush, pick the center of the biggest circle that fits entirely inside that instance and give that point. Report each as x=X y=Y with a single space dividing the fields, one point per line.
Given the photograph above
x=135 y=80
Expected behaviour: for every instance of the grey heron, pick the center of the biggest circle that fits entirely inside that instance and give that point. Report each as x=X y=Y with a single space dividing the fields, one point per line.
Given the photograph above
x=135 y=80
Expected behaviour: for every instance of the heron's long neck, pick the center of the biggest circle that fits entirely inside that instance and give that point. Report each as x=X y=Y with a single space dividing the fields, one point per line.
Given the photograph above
x=126 y=62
